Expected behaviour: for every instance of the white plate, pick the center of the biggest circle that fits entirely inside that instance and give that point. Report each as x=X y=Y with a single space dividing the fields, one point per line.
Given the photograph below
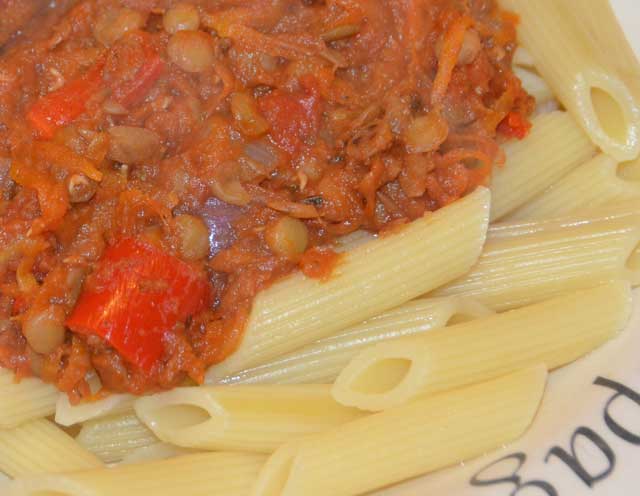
x=585 y=440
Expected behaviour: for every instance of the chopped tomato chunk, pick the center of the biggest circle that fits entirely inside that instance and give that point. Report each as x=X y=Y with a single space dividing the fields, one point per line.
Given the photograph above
x=294 y=117
x=514 y=125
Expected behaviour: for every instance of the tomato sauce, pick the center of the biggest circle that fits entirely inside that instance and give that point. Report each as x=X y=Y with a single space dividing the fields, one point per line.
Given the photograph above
x=162 y=162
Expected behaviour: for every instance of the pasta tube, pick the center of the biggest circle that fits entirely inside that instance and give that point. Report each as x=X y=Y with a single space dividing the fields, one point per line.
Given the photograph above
x=403 y=442
x=25 y=400
x=372 y=278
x=322 y=361
x=207 y=474
x=155 y=451
x=555 y=145
x=598 y=99
x=39 y=447
x=591 y=185
x=113 y=438
x=244 y=418
x=527 y=262
x=68 y=414
x=555 y=332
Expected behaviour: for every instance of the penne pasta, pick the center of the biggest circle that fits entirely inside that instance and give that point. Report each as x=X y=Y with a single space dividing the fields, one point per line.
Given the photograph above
x=153 y=452
x=25 y=400
x=38 y=447
x=68 y=414
x=592 y=185
x=609 y=44
x=372 y=278
x=555 y=145
x=554 y=332
x=403 y=442
x=241 y=418
x=598 y=99
x=115 y=437
x=207 y=474
x=526 y=262
x=322 y=361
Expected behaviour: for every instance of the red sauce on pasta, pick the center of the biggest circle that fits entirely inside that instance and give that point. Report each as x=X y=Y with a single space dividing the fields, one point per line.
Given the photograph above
x=162 y=162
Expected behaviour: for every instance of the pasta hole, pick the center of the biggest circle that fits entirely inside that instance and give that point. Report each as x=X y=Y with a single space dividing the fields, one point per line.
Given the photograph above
x=459 y=318
x=178 y=417
x=382 y=376
x=610 y=114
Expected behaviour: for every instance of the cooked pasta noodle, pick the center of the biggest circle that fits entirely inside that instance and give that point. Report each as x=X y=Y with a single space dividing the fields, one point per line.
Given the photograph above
x=555 y=145
x=594 y=184
x=244 y=417
x=115 y=437
x=210 y=474
x=39 y=447
x=554 y=332
x=406 y=441
x=153 y=452
x=68 y=414
x=525 y=262
x=322 y=361
x=599 y=100
x=25 y=400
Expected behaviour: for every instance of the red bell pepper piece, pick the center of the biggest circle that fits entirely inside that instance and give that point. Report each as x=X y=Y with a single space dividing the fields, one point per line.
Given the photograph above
x=66 y=104
x=135 y=296
x=514 y=125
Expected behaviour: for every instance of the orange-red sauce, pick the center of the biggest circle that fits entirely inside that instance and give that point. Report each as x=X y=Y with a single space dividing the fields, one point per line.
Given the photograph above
x=114 y=124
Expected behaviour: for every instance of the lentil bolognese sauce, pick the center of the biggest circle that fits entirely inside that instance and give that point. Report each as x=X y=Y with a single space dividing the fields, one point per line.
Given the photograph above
x=162 y=162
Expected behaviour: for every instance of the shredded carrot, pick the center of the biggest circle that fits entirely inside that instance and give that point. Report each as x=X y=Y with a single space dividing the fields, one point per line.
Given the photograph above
x=452 y=43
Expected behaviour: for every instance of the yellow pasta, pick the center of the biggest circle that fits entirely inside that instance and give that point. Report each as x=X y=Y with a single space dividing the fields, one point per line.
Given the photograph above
x=599 y=100
x=210 y=474
x=591 y=185
x=38 y=447
x=554 y=332
x=526 y=262
x=244 y=418
x=25 y=400
x=554 y=146
x=373 y=277
x=113 y=438
x=322 y=361
x=406 y=441
x=153 y=452
x=68 y=414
